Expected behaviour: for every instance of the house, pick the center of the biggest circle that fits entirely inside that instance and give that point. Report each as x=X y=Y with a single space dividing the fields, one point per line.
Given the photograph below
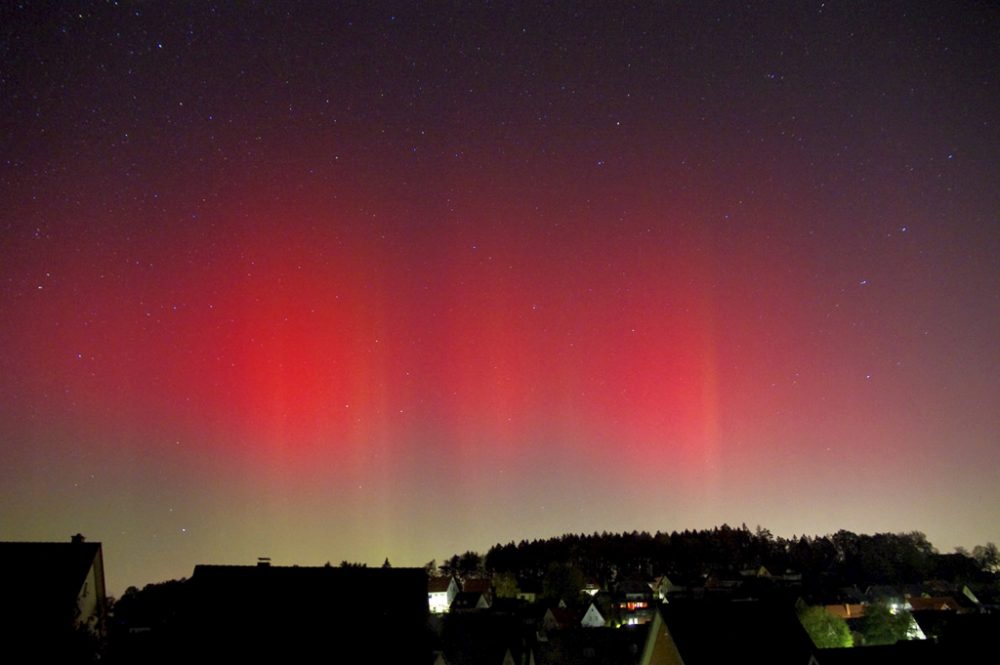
x=660 y=648
x=759 y=571
x=558 y=618
x=441 y=591
x=485 y=638
x=526 y=657
x=675 y=586
x=933 y=603
x=470 y=600
x=633 y=603
x=479 y=585
x=593 y=646
x=593 y=618
x=846 y=611
x=289 y=613
x=661 y=587
x=706 y=633
x=476 y=594
x=55 y=600
x=935 y=614
x=723 y=582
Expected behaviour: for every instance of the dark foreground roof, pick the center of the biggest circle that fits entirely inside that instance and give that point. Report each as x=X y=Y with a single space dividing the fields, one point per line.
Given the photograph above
x=484 y=638
x=290 y=614
x=727 y=632
x=594 y=646
x=45 y=578
x=39 y=613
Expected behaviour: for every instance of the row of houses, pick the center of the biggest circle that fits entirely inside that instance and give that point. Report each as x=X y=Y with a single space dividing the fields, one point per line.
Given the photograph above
x=443 y=591
x=689 y=633
x=291 y=614
x=702 y=627
x=629 y=600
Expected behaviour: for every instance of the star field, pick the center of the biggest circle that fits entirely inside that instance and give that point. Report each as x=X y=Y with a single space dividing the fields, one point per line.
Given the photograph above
x=339 y=282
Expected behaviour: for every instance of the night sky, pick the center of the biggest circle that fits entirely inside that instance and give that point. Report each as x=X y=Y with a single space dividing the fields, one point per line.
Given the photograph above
x=346 y=281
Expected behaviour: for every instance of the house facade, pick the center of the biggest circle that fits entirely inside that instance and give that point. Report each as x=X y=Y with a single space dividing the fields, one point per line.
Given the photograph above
x=441 y=592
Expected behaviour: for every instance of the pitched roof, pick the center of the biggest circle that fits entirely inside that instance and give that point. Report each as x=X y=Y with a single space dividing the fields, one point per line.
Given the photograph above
x=477 y=584
x=43 y=583
x=593 y=616
x=47 y=577
x=467 y=600
x=564 y=617
x=706 y=633
x=659 y=648
x=594 y=646
x=438 y=584
x=846 y=610
x=480 y=638
x=921 y=603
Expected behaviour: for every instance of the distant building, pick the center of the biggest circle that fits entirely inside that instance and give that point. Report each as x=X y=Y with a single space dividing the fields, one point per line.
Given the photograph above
x=559 y=618
x=661 y=587
x=847 y=611
x=441 y=592
x=595 y=646
x=54 y=597
x=933 y=603
x=593 y=618
x=633 y=603
x=759 y=571
x=479 y=585
x=487 y=638
x=471 y=600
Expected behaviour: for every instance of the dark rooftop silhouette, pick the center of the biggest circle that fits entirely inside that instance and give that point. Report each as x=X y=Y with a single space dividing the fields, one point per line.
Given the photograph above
x=292 y=613
x=51 y=589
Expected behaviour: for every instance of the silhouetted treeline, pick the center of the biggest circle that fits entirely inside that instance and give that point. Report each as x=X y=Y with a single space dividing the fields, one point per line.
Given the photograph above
x=850 y=558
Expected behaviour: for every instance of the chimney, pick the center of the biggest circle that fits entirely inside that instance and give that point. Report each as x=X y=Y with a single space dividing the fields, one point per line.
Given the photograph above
x=78 y=538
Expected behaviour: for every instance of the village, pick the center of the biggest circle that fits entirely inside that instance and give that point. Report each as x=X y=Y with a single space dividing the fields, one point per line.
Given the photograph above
x=465 y=612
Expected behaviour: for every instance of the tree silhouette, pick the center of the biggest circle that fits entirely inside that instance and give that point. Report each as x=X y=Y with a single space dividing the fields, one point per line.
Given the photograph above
x=883 y=625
